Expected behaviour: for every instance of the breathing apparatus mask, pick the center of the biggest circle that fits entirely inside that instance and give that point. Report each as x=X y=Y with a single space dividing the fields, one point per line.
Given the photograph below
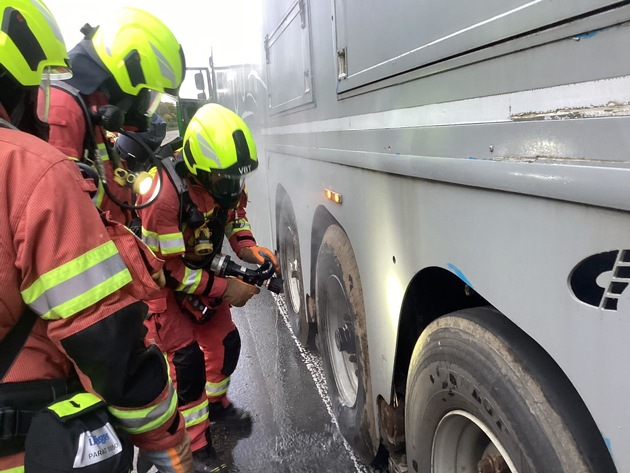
x=137 y=148
x=138 y=110
x=208 y=232
x=226 y=191
x=224 y=188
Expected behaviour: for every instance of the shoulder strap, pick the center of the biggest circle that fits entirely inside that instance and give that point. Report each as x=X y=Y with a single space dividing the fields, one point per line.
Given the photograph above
x=171 y=165
x=89 y=142
x=6 y=124
x=13 y=342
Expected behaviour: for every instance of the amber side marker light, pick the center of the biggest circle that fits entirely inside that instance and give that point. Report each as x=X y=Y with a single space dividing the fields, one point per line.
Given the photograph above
x=332 y=195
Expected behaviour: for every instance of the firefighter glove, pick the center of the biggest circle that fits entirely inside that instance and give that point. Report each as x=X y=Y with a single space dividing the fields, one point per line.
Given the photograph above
x=258 y=255
x=159 y=278
x=237 y=292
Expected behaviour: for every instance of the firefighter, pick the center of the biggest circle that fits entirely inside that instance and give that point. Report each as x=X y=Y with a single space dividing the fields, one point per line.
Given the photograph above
x=137 y=150
x=68 y=299
x=120 y=71
x=202 y=201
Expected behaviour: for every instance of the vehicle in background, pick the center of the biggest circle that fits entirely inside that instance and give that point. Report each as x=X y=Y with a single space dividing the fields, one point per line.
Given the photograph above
x=449 y=194
x=197 y=89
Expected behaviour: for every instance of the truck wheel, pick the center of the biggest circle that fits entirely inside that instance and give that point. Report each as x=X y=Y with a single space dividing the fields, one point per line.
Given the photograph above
x=342 y=340
x=482 y=396
x=292 y=274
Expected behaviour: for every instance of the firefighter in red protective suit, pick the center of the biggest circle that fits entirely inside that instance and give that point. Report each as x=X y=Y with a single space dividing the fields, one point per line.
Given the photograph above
x=202 y=200
x=69 y=293
x=120 y=71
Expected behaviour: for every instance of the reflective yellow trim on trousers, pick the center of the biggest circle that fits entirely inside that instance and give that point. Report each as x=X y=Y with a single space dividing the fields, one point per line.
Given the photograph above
x=139 y=421
x=77 y=284
x=217 y=389
x=196 y=414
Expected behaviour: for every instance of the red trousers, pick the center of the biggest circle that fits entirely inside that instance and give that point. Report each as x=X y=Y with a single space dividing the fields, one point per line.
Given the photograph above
x=201 y=358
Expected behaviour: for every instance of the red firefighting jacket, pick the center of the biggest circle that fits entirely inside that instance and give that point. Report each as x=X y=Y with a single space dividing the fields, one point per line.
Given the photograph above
x=56 y=256
x=162 y=233
x=67 y=134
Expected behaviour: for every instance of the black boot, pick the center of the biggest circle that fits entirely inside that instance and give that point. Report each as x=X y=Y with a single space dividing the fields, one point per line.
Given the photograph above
x=206 y=460
x=230 y=416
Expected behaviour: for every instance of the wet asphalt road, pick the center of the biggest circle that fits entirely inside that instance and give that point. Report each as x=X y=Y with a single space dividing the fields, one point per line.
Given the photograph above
x=282 y=385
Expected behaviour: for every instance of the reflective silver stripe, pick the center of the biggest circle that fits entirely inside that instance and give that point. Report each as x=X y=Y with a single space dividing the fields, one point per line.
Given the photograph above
x=191 y=280
x=196 y=415
x=208 y=150
x=138 y=420
x=150 y=239
x=166 y=69
x=172 y=245
x=217 y=389
x=78 y=285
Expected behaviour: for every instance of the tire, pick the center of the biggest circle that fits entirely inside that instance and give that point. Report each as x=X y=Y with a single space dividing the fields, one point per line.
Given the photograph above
x=342 y=340
x=292 y=274
x=477 y=387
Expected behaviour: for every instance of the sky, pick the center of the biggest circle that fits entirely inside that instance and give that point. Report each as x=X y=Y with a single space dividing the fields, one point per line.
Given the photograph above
x=230 y=29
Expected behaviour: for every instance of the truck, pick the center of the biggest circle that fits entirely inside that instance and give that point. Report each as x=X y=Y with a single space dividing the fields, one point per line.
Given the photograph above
x=447 y=185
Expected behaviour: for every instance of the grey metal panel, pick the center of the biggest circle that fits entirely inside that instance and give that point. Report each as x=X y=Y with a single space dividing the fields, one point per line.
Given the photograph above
x=275 y=10
x=381 y=39
x=288 y=56
x=412 y=193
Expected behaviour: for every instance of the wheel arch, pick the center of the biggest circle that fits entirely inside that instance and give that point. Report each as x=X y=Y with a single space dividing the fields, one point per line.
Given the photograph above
x=434 y=292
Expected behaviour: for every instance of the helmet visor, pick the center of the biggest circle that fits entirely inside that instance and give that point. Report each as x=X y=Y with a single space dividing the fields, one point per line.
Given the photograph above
x=155 y=98
x=224 y=188
x=139 y=109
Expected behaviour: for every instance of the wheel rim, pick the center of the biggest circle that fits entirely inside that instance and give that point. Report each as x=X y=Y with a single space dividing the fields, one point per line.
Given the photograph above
x=343 y=363
x=463 y=443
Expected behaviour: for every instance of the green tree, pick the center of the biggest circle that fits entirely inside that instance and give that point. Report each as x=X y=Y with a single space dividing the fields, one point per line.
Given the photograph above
x=168 y=111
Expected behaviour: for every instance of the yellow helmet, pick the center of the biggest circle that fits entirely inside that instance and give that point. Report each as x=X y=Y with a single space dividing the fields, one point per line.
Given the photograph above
x=31 y=43
x=219 y=150
x=140 y=51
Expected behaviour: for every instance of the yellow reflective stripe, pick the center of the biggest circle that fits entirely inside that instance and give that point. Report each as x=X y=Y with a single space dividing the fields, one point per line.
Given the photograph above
x=19 y=469
x=77 y=284
x=151 y=239
x=172 y=243
x=74 y=405
x=100 y=191
x=217 y=389
x=196 y=414
x=102 y=151
x=139 y=421
x=97 y=200
x=190 y=281
x=234 y=227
